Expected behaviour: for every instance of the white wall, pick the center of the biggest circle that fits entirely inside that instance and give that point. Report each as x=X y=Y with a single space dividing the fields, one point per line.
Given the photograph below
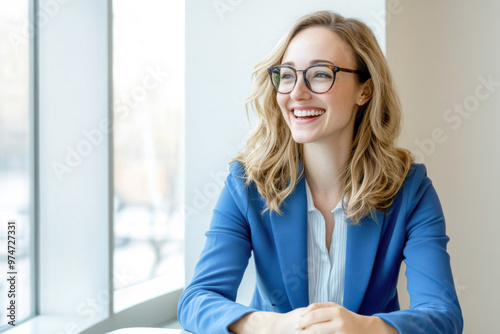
x=224 y=40
x=438 y=51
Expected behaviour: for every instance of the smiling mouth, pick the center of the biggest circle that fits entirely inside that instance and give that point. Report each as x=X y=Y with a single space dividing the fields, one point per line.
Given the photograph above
x=311 y=113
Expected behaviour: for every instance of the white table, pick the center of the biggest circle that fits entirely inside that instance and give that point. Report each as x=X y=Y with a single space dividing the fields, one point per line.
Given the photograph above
x=144 y=330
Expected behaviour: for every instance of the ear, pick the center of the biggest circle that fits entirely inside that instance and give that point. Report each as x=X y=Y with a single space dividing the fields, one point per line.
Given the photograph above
x=365 y=92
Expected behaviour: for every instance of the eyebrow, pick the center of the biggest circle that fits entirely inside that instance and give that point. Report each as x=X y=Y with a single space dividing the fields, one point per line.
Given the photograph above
x=312 y=62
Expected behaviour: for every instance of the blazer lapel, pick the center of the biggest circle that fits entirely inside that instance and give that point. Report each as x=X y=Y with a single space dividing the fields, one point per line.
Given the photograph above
x=290 y=235
x=362 y=244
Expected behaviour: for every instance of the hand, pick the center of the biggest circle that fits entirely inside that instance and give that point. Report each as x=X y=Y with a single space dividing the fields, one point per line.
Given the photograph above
x=331 y=318
x=267 y=323
x=285 y=323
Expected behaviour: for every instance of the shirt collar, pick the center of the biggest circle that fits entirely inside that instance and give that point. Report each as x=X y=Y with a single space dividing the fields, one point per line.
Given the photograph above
x=310 y=201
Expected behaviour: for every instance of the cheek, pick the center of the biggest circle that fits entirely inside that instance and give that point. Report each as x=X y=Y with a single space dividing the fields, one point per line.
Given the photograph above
x=282 y=102
x=342 y=100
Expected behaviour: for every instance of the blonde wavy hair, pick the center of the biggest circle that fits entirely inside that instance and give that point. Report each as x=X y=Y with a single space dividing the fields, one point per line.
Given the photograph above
x=376 y=168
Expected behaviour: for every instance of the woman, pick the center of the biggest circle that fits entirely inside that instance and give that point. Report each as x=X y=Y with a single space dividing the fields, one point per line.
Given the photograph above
x=326 y=202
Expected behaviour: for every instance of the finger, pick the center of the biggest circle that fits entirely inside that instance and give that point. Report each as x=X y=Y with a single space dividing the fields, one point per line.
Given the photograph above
x=316 y=306
x=317 y=316
x=322 y=328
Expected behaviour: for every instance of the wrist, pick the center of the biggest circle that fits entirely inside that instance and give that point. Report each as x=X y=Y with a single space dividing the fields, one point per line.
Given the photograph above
x=377 y=325
x=255 y=322
x=274 y=323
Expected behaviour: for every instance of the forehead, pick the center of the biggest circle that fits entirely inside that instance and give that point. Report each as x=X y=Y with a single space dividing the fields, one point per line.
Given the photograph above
x=318 y=43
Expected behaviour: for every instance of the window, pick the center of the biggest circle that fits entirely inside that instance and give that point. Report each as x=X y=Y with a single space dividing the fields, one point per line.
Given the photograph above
x=16 y=159
x=100 y=195
x=148 y=85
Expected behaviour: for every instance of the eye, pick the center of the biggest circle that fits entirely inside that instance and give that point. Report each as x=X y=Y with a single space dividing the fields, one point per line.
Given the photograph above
x=287 y=74
x=322 y=75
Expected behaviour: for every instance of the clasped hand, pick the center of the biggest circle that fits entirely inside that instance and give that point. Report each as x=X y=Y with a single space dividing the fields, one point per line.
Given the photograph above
x=317 y=318
x=331 y=318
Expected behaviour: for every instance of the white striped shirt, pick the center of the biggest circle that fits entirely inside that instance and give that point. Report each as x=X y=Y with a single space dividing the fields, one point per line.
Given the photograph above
x=326 y=269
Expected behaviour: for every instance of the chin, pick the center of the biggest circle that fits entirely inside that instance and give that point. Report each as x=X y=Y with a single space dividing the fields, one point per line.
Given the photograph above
x=302 y=139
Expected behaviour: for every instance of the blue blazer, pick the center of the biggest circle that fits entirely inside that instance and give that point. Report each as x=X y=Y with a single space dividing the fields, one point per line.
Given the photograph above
x=413 y=230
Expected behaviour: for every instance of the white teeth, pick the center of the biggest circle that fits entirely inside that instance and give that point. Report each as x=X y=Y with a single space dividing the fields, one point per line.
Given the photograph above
x=303 y=113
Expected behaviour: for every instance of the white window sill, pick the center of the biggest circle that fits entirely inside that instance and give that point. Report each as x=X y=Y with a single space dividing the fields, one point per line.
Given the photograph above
x=142 y=292
x=49 y=324
x=148 y=313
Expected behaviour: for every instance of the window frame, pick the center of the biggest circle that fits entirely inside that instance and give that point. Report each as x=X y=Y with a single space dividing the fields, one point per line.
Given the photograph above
x=62 y=314
x=32 y=169
x=34 y=203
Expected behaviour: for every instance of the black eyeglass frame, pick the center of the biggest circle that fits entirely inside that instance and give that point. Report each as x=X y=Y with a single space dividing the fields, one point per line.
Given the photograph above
x=335 y=69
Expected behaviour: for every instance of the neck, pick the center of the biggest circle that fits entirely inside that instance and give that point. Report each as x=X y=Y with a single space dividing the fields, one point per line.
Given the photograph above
x=324 y=164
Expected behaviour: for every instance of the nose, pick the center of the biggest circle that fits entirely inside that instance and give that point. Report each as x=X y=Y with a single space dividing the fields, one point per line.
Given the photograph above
x=300 y=91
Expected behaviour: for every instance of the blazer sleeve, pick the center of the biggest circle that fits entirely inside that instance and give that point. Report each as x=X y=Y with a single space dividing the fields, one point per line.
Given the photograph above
x=434 y=306
x=208 y=305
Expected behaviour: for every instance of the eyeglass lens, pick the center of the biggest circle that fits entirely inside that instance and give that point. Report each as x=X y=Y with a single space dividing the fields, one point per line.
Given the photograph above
x=319 y=78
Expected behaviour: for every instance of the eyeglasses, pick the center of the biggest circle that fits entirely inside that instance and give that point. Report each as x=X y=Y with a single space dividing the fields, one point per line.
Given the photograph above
x=318 y=78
